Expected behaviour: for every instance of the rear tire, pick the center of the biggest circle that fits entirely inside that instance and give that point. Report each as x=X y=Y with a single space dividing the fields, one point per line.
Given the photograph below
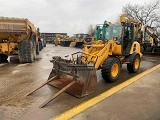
x=111 y=69
x=37 y=49
x=40 y=45
x=134 y=64
x=27 y=51
x=44 y=43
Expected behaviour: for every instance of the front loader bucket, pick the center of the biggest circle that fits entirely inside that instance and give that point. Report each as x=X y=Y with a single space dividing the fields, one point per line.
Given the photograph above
x=76 y=79
x=65 y=43
x=79 y=44
x=84 y=76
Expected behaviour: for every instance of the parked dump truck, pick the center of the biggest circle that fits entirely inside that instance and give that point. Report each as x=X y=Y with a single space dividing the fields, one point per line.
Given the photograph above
x=58 y=38
x=41 y=40
x=18 y=36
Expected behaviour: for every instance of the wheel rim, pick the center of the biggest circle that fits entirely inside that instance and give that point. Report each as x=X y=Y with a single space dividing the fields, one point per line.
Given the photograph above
x=136 y=64
x=115 y=70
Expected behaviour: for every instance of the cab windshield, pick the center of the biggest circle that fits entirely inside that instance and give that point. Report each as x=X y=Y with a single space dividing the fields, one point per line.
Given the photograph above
x=111 y=32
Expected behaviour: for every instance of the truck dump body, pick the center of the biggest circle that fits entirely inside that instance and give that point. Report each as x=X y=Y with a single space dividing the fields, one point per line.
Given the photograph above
x=15 y=25
x=15 y=29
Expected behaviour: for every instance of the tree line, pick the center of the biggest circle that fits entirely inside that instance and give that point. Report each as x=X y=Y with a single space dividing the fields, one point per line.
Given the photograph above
x=148 y=14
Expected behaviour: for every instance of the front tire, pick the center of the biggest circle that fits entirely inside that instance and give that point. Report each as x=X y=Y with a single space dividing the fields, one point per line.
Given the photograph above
x=111 y=69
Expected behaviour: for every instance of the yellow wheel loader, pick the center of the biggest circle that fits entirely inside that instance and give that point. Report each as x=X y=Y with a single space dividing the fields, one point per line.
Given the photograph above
x=57 y=39
x=66 y=41
x=76 y=74
x=62 y=40
x=79 y=40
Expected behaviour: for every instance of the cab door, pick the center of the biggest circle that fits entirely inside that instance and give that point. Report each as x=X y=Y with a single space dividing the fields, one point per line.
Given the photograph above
x=127 y=38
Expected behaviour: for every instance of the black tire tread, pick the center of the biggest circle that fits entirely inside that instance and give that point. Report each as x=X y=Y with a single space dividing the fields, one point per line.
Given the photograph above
x=130 y=66
x=44 y=43
x=106 y=69
x=37 y=49
x=25 y=53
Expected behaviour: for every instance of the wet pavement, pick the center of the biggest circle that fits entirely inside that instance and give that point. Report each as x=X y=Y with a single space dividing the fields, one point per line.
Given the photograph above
x=16 y=80
x=138 y=101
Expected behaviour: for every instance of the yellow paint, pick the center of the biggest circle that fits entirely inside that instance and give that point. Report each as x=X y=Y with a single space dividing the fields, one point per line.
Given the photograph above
x=117 y=49
x=99 y=52
x=137 y=63
x=7 y=48
x=115 y=70
x=136 y=48
x=87 y=104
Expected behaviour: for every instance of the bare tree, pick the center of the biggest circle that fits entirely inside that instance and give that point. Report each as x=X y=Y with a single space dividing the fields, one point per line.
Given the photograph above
x=146 y=14
x=91 y=30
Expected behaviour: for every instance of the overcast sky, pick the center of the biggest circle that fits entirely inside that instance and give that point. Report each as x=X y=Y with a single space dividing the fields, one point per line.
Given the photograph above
x=65 y=16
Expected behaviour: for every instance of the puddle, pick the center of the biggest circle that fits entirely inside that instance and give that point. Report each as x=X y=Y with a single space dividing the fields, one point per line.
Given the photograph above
x=15 y=71
x=37 y=59
x=20 y=65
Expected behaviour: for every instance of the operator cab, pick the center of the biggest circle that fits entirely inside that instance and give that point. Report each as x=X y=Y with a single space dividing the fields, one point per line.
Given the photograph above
x=127 y=37
x=123 y=34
